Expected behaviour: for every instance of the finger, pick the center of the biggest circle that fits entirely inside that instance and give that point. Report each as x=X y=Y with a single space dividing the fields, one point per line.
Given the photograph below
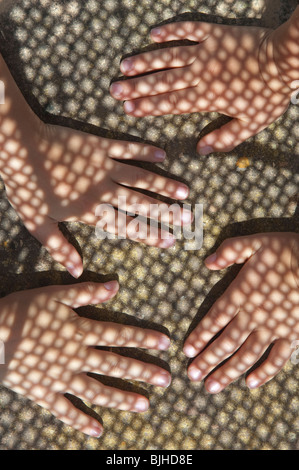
x=120 y=225
x=93 y=391
x=234 y=251
x=166 y=58
x=228 y=136
x=136 y=177
x=192 y=30
x=98 y=333
x=185 y=101
x=85 y=293
x=222 y=312
x=278 y=357
x=249 y=353
x=137 y=203
x=50 y=236
x=134 y=151
x=66 y=412
x=155 y=84
x=221 y=348
x=114 y=365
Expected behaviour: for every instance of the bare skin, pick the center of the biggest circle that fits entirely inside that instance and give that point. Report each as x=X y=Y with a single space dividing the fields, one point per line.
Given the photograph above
x=260 y=308
x=247 y=73
x=49 y=350
x=54 y=174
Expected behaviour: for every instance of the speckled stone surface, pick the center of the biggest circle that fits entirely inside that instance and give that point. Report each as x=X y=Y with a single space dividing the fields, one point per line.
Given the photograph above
x=64 y=55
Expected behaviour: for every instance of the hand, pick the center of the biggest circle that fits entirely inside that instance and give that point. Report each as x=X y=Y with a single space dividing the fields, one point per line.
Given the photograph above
x=54 y=174
x=226 y=71
x=260 y=308
x=49 y=351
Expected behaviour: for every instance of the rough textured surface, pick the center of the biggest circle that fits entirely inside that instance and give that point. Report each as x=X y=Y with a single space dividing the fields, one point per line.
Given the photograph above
x=64 y=55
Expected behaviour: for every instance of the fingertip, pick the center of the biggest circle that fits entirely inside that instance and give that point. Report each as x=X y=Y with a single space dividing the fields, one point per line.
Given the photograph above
x=182 y=192
x=116 y=90
x=164 y=343
x=142 y=404
x=95 y=430
x=75 y=270
x=252 y=383
x=129 y=107
x=211 y=262
x=204 y=150
x=194 y=374
x=189 y=350
x=111 y=286
x=160 y=155
x=213 y=386
x=156 y=34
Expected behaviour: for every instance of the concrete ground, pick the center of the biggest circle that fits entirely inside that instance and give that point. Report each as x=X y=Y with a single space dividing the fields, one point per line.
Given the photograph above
x=64 y=55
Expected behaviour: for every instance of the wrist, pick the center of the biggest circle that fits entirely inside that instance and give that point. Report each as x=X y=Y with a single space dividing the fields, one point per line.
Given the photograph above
x=17 y=120
x=285 y=43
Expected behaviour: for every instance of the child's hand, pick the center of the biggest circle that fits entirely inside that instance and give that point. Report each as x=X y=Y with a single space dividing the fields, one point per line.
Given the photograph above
x=57 y=174
x=229 y=70
x=54 y=174
x=260 y=308
x=49 y=351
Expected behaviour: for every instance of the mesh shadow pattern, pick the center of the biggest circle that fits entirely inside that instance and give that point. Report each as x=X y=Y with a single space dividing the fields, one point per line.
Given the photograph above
x=64 y=56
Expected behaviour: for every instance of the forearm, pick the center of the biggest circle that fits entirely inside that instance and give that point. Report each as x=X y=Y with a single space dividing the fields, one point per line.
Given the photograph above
x=16 y=122
x=286 y=49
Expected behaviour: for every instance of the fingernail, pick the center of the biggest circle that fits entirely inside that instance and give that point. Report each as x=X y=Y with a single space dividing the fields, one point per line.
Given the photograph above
x=111 y=285
x=127 y=65
x=253 y=383
x=205 y=150
x=156 y=31
x=95 y=431
x=182 y=192
x=163 y=379
x=160 y=154
x=164 y=343
x=74 y=271
x=187 y=216
x=167 y=242
x=141 y=405
x=212 y=258
x=190 y=351
x=194 y=373
x=116 y=89
x=213 y=386
x=129 y=107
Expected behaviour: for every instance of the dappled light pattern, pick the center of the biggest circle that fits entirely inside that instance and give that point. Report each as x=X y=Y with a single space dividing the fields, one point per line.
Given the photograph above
x=54 y=174
x=50 y=349
x=64 y=56
x=229 y=70
x=259 y=309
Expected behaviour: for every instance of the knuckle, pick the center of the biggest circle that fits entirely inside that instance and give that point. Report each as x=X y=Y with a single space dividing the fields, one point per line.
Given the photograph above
x=218 y=318
x=116 y=366
x=124 y=336
x=227 y=345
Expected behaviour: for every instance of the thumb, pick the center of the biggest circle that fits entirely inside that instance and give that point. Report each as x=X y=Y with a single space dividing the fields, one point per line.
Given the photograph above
x=50 y=236
x=234 y=251
x=228 y=137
